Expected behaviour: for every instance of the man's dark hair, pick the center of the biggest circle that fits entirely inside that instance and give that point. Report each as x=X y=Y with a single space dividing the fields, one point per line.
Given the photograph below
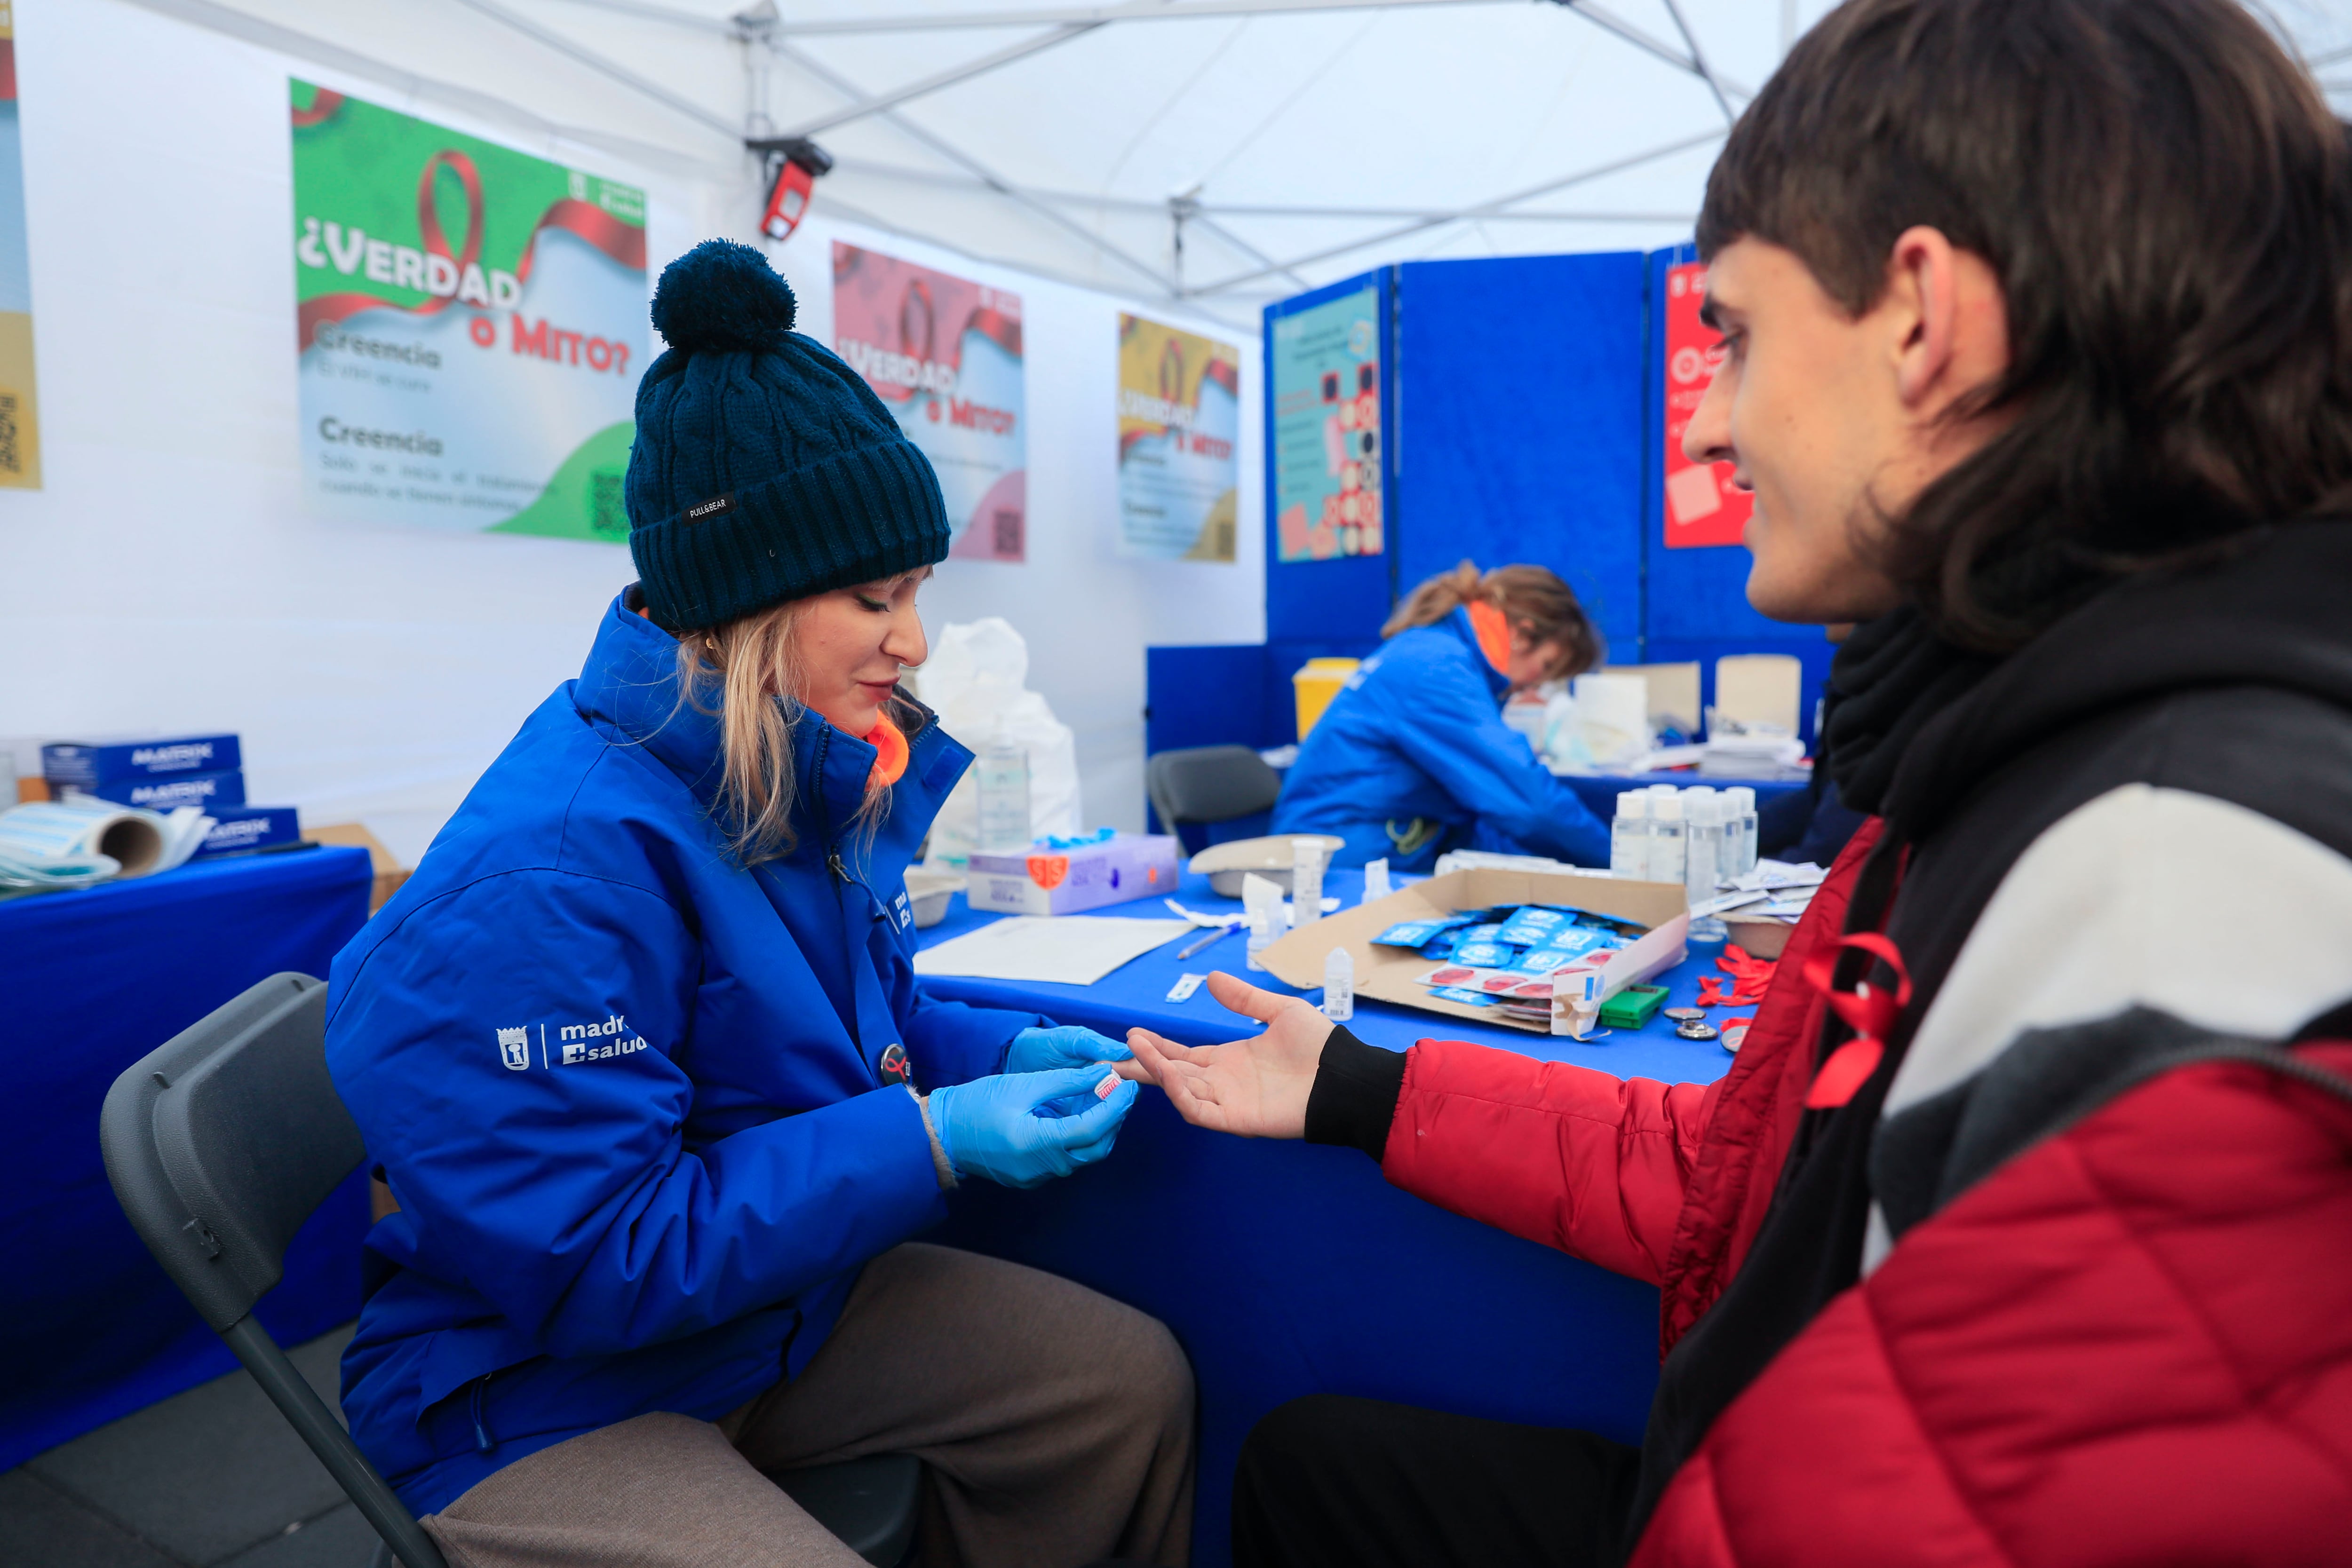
x=2168 y=202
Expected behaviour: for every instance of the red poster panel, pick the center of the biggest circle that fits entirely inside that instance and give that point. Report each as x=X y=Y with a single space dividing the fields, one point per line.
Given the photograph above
x=1703 y=505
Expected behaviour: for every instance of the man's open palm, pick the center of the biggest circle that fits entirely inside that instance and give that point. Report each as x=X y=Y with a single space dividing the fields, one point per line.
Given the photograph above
x=1258 y=1087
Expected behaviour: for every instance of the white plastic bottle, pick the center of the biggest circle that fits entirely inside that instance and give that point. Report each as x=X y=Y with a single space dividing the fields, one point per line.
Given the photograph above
x=1667 y=862
x=1339 y=986
x=1629 y=837
x=1376 y=880
x=1307 y=857
x=1739 y=831
x=1702 y=852
x=1003 y=784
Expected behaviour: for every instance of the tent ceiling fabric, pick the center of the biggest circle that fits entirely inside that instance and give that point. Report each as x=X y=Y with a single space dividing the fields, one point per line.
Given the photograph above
x=1223 y=152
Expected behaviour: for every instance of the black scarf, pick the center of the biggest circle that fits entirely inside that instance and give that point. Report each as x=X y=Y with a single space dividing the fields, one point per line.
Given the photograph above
x=1889 y=679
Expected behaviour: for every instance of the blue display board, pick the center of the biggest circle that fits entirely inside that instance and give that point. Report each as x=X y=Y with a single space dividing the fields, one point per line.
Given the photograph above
x=1346 y=596
x=1519 y=430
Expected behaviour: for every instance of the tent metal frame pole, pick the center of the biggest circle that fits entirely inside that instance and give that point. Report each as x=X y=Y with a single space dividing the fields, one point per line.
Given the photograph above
x=549 y=38
x=980 y=171
x=1699 y=61
x=1071 y=16
x=1485 y=209
x=938 y=80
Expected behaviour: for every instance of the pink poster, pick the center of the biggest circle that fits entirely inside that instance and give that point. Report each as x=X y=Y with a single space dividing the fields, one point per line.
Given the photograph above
x=945 y=354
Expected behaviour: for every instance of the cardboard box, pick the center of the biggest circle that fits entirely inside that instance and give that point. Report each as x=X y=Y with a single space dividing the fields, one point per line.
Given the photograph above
x=1065 y=881
x=1388 y=974
x=169 y=794
x=88 y=764
x=238 y=829
x=389 y=872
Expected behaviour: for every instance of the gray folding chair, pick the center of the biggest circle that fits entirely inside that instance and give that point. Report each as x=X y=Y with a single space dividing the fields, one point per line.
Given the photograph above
x=220 y=1144
x=1208 y=784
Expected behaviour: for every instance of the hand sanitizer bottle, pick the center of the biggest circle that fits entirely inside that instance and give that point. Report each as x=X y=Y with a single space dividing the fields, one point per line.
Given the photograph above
x=1339 y=986
x=1665 y=837
x=1629 y=837
x=1703 y=846
x=1739 y=831
x=1003 y=784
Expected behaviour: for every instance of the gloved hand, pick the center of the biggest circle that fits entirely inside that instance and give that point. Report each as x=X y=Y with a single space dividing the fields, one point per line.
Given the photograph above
x=1066 y=1045
x=1003 y=1127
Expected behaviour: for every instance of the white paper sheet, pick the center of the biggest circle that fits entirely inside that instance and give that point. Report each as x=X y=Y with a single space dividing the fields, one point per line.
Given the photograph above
x=1066 y=949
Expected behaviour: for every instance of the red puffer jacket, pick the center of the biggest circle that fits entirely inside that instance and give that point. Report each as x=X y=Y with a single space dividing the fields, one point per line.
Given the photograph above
x=1667 y=1183
x=2129 y=1343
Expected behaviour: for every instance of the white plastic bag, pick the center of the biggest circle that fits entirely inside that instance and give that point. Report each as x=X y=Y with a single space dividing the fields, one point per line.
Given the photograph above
x=978 y=672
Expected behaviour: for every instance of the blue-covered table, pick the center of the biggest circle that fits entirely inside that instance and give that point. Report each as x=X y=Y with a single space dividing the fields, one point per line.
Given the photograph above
x=90 y=1327
x=1287 y=1270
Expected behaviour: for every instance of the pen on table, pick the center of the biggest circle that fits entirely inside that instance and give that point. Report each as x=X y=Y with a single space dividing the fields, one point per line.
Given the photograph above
x=1219 y=934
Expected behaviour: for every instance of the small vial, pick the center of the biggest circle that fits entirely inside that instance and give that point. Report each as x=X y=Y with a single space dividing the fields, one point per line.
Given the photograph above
x=1261 y=937
x=1306 y=880
x=1629 y=837
x=1339 y=986
x=1110 y=1082
x=1376 y=880
x=1666 y=835
x=1702 y=849
x=1739 y=831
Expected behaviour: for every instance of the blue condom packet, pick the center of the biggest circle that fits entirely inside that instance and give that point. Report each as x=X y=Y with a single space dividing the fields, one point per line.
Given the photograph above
x=1487 y=932
x=1467 y=999
x=1416 y=933
x=1576 y=941
x=1542 y=960
x=1534 y=925
x=1484 y=955
x=1441 y=947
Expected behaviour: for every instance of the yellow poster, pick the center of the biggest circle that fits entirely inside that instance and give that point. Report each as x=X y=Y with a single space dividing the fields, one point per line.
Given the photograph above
x=20 y=430
x=1179 y=431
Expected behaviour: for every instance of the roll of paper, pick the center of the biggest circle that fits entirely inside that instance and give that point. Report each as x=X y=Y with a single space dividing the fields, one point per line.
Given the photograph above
x=78 y=840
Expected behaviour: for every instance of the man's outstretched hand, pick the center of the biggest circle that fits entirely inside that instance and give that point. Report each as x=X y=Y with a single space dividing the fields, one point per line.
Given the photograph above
x=1255 y=1088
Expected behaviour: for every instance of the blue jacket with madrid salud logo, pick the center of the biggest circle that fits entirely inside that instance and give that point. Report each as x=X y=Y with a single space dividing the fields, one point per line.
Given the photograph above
x=635 y=1101
x=1413 y=758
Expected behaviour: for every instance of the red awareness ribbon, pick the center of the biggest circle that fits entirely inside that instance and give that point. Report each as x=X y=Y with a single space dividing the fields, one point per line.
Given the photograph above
x=1750 y=978
x=1868 y=1011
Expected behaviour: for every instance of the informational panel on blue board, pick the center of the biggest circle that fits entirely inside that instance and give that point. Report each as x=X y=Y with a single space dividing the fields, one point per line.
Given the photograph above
x=1178 y=442
x=1326 y=376
x=944 y=353
x=1703 y=505
x=20 y=428
x=472 y=326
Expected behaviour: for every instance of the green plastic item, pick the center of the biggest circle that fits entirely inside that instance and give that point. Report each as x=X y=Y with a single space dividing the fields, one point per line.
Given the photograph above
x=1633 y=1006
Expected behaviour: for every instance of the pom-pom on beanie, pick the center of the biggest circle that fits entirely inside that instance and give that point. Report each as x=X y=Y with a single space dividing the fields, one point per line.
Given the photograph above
x=765 y=469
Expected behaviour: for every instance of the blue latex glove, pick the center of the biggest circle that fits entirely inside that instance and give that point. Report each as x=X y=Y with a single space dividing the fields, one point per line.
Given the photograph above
x=1005 y=1128
x=1066 y=1045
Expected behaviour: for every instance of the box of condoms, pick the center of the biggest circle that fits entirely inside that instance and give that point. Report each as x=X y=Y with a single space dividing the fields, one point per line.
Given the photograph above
x=238 y=829
x=171 y=792
x=1081 y=877
x=88 y=764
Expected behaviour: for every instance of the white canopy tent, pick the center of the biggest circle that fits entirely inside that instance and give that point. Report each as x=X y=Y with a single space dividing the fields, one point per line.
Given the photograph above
x=1190 y=159
x=1216 y=152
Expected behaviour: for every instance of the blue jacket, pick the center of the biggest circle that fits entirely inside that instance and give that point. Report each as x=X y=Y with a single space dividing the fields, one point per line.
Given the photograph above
x=630 y=1096
x=1413 y=758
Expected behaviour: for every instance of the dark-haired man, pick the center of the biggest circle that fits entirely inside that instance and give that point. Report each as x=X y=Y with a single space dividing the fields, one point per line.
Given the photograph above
x=2015 y=1234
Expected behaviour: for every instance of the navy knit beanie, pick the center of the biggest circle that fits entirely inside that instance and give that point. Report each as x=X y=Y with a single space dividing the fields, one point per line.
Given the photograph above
x=765 y=469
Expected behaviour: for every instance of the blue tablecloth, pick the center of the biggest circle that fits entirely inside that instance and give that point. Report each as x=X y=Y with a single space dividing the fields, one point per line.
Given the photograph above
x=1287 y=1270
x=91 y=1328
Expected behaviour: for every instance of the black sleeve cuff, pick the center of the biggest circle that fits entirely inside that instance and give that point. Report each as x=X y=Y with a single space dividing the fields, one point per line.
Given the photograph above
x=1355 y=1095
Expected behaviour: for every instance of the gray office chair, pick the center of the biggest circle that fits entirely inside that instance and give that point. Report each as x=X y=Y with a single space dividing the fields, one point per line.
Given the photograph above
x=1208 y=784
x=220 y=1144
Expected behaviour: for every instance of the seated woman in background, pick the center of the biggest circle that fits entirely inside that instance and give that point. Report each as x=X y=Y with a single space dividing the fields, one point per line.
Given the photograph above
x=1413 y=757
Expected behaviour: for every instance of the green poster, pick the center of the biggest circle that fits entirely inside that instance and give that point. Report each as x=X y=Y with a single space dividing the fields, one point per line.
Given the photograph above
x=472 y=326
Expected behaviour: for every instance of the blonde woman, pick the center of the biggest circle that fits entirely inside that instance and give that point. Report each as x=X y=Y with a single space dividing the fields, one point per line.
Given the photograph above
x=639 y=1054
x=1413 y=757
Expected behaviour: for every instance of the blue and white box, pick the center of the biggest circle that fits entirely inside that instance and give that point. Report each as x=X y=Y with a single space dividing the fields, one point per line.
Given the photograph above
x=169 y=794
x=236 y=830
x=90 y=763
